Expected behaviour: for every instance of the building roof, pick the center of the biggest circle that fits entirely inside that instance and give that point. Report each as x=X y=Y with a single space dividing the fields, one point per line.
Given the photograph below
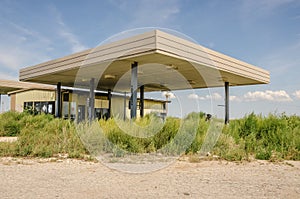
x=165 y=62
x=7 y=86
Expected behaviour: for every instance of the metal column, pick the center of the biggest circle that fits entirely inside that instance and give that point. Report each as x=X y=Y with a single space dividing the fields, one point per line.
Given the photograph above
x=133 y=88
x=124 y=116
x=142 y=89
x=226 y=102
x=109 y=103
x=92 y=100
x=58 y=101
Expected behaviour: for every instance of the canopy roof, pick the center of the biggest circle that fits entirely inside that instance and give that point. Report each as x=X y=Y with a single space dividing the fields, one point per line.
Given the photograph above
x=165 y=62
x=7 y=86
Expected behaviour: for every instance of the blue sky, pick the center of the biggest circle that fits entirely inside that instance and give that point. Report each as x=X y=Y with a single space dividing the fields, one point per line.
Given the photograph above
x=265 y=33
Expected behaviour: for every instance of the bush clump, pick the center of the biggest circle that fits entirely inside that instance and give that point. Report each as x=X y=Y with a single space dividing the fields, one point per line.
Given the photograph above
x=274 y=137
x=42 y=136
x=10 y=123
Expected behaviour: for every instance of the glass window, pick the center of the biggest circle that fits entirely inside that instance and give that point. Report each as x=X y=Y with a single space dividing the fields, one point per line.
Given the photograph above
x=44 y=107
x=51 y=108
x=37 y=107
x=65 y=110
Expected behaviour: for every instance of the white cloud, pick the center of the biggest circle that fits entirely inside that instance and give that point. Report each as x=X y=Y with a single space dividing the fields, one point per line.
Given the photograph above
x=213 y=96
x=279 y=96
x=193 y=96
x=297 y=94
x=268 y=95
x=234 y=98
x=169 y=94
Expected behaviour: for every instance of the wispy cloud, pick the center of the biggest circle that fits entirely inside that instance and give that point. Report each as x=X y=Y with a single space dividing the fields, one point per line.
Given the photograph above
x=20 y=46
x=149 y=13
x=262 y=7
x=272 y=4
x=282 y=43
x=297 y=94
x=283 y=60
x=65 y=32
x=24 y=44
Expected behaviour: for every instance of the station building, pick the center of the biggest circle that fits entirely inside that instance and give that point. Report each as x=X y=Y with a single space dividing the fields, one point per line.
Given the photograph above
x=75 y=103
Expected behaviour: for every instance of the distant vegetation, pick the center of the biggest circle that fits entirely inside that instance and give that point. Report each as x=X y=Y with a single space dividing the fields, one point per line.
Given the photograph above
x=275 y=137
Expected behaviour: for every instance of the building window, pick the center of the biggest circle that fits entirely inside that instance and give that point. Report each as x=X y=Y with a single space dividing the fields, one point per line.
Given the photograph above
x=40 y=107
x=65 y=97
x=28 y=106
x=37 y=107
x=65 y=110
x=101 y=113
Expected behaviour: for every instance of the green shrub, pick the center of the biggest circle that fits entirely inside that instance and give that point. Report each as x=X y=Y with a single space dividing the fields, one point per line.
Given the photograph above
x=10 y=123
x=167 y=133
x=228 y=149
x=200 y=136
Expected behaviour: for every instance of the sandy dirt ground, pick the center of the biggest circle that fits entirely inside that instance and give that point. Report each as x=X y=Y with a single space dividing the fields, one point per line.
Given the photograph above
x=36 y=178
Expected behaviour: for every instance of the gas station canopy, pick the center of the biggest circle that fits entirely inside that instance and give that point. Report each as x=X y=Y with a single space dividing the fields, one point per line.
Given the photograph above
x=160 y=57
x=152 y=61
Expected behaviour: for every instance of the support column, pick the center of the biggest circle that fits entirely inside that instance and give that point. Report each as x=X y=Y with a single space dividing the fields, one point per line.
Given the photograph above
x=226 y=102
x=0 y=104
x=92 y=100
x=142 y=89
x=124 y=116
x=133 y=88
x=58 y=101
x=109 y=103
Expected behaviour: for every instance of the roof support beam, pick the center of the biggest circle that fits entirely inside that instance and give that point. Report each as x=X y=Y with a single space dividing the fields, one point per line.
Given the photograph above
x=124 y=116
x=109 y=103
x=226 y=102
x=133 y=88
x=92 y=100
x=142 y=88
x=58 y=100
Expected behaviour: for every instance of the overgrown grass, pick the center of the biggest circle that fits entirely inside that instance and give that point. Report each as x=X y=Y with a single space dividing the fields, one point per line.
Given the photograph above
x=42 y=136
x=275 y=137
x=10 y=124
